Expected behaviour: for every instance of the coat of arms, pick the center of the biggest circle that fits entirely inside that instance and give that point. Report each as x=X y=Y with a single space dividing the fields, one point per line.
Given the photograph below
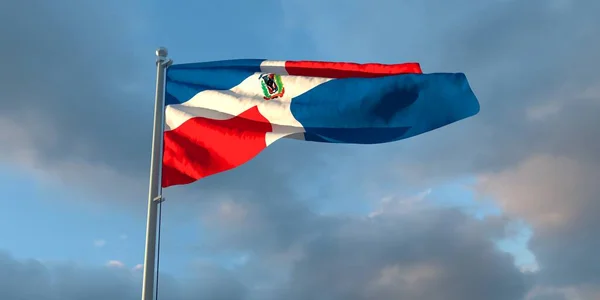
x=272 y=86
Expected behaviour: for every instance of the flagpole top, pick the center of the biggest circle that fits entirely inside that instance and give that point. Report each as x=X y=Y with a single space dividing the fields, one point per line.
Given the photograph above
x=161 y=53
x=161 y=57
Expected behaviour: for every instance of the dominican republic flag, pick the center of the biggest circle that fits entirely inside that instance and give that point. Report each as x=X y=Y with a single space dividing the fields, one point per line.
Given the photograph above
x=219 y=115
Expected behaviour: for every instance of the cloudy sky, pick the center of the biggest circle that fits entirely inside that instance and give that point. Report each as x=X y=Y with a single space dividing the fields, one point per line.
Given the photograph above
x=502 y=206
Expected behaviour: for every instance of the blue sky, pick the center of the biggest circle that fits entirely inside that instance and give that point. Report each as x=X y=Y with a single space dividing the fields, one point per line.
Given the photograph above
x=304 y=220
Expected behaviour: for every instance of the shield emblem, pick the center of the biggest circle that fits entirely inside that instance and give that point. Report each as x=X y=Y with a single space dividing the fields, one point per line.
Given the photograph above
x=272 y=86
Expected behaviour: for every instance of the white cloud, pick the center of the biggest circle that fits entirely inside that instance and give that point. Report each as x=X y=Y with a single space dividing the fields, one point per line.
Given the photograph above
x=543 y=111
x=398 y=205
x=543 y=189
x=557 y=196
x=411 y=274
x=99 y=243
x=115 y=264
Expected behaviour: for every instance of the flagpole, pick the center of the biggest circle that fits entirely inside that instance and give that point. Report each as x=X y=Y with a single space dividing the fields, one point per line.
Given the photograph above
x=155 y=187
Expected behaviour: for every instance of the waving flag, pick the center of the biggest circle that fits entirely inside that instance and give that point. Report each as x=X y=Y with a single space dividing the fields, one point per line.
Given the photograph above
x=219 y=115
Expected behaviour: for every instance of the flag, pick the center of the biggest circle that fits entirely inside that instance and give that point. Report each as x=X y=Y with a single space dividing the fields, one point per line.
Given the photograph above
x=219 y=115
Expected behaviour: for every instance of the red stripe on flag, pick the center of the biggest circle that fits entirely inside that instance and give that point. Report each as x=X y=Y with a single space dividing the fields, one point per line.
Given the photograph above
x=201 y=147
x=346 y=70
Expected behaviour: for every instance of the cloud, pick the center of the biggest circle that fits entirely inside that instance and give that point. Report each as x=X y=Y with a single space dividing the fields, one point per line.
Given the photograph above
x=77 y=90
x=68 y=103
x=533 y=65
x=535 y=145
x=410 y=256
x=427 y=255
x=425 y=252
x=514 y=63
x=32 y=279
x=115 y=264
x=401 y=206
x=99 y=243
x=558 y=197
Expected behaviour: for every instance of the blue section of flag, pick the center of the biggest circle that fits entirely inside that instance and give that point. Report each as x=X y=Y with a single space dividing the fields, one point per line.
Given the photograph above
x=385 y=109
x=184 y=81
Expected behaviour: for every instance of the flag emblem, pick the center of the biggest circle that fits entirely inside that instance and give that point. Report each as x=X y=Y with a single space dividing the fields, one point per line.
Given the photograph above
x=272 y=86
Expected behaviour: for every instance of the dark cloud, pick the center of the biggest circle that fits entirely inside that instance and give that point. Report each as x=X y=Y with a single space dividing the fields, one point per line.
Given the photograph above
x=408 y=249
x=542 y=117
x=533 y=65
x=32 y=279
x=427 y=253
x=535 y=140
x=64 y=66
x=77 y=91
x=64 y=108
x=71 y=91
x=516 y=64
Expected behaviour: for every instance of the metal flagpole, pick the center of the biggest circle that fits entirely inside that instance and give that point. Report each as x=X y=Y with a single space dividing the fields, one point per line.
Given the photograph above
x=155 y=188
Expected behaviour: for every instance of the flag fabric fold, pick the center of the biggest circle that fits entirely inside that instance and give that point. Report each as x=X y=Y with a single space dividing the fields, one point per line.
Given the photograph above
x=219 y=115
